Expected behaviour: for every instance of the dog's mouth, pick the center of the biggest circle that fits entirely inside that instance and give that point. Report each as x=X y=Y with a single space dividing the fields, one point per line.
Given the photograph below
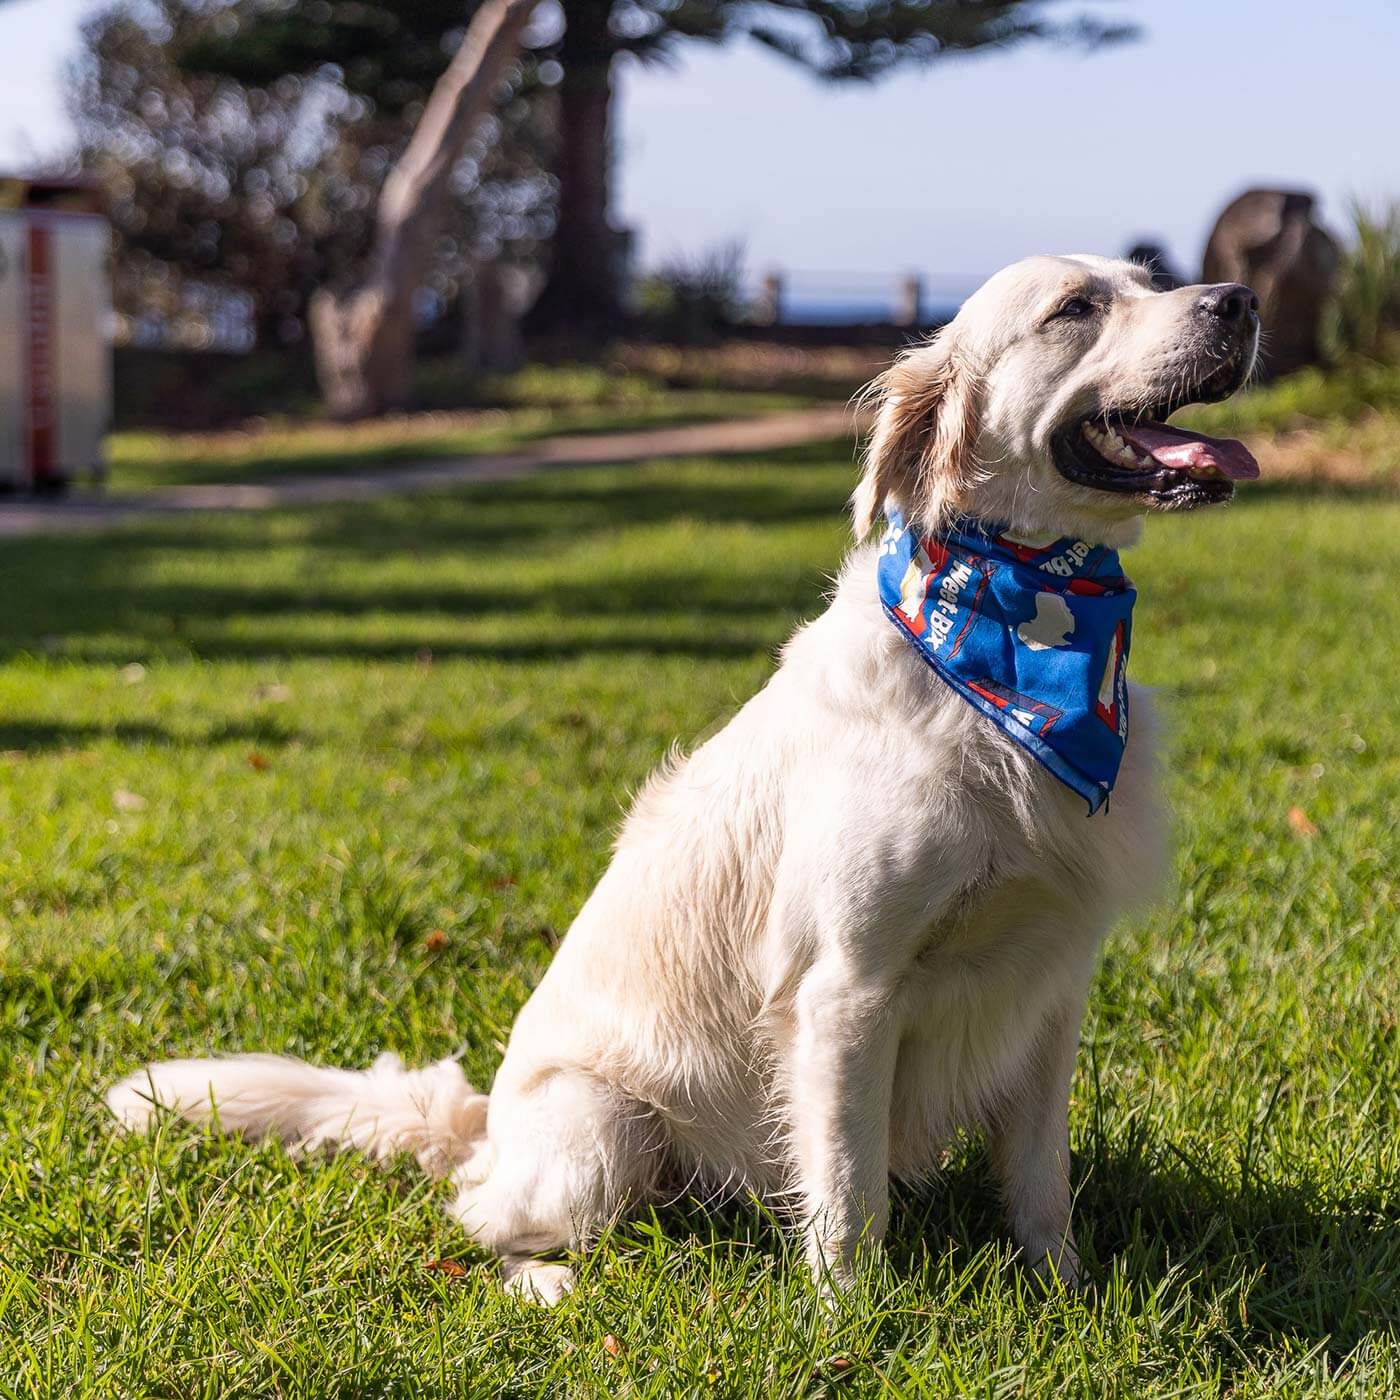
x=1137 y=454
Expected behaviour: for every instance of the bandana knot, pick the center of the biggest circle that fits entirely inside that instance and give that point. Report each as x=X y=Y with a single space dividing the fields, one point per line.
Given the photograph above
x=1033 y=633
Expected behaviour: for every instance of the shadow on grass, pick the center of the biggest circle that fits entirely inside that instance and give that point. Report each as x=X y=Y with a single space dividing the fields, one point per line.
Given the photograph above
x=1256 y=1263
x=34 y=735
x=83 y=587
x=101 y=594
x=1277 y=1260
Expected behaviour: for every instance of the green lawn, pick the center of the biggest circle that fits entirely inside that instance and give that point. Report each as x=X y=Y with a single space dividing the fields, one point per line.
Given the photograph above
x=1350 y=415
x=335 y=782
x=509 y=411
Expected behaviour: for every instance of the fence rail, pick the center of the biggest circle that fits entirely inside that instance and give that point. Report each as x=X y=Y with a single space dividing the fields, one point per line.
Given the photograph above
x=909 y=299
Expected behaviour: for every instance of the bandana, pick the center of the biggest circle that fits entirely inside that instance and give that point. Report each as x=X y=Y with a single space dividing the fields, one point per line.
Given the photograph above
x=1034 y=633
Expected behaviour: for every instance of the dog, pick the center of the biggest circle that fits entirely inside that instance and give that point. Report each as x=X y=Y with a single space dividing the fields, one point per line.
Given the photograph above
x=866 y=913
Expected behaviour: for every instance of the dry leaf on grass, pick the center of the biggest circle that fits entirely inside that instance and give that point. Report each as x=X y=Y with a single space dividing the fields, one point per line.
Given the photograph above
x=1300 y=824
x=259 y=761
x=611 y=1345
x=448 y=1268
x=436 y=941
x=125 y=801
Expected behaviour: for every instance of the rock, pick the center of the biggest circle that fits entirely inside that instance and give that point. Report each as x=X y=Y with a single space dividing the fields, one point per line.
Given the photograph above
x=1269 y=240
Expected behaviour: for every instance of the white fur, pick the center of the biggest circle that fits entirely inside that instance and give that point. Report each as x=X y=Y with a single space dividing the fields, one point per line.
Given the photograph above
x=853 y=921
x=381 y=1111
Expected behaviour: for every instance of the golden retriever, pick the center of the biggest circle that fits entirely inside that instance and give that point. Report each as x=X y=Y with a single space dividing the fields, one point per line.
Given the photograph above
x=860 y=917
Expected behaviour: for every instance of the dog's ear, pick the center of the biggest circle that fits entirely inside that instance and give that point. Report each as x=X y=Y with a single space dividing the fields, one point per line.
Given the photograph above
x=919 y=453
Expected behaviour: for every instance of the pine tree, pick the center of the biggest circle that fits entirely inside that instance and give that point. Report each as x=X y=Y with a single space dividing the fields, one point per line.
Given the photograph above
x=837 y=40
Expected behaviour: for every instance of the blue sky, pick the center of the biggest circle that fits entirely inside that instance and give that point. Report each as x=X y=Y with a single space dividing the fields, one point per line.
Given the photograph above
x=956 y=169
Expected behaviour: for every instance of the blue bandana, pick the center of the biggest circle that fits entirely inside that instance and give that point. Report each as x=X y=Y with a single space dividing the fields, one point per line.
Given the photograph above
x=1032 y=633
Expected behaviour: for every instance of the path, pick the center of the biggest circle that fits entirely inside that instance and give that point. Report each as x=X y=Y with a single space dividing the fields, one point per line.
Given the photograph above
x=85 y=513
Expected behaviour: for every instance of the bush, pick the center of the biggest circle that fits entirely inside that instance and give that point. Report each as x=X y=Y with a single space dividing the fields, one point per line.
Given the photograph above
x=694 y=299
x=1364 y=318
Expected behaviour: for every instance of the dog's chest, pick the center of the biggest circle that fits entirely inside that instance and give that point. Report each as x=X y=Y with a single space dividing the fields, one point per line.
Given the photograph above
x=985 y=806
x=1040 y=882
x=974 y=1005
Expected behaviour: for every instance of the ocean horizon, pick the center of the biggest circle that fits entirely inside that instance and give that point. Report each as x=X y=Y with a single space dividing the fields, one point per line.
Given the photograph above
x=798 y=310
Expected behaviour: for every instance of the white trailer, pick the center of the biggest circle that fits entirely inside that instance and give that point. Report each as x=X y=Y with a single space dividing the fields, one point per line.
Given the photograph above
x=55 y=351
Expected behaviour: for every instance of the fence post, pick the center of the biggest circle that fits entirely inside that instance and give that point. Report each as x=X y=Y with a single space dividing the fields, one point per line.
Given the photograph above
x=908 y=310
x=769 y=311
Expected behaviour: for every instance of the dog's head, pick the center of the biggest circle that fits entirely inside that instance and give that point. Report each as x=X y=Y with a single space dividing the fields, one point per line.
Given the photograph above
x=1043 y=404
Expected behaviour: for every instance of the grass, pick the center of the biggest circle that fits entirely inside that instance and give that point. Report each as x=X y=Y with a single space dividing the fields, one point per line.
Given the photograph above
x=336 y=782
x=1338 y=425
x=510 y=411
x=1341 y=394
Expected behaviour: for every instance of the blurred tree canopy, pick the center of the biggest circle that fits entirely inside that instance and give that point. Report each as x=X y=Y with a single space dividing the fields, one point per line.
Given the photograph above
x=243 y=143
x=242 y=146
x=834 y=39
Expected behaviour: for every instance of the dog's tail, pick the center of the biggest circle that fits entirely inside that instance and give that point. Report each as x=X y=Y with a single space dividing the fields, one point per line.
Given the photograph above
x=432 y=1113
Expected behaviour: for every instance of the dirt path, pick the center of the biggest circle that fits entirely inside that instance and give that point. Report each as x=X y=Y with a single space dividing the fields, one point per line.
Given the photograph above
x=89 y=512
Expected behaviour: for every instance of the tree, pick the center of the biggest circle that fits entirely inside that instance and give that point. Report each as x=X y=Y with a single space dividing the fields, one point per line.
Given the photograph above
x=243 y=145
x=363 y=337
x=834 y=39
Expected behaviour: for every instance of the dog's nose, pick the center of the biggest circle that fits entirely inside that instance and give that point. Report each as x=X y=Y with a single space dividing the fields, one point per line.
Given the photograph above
x=1232 y=302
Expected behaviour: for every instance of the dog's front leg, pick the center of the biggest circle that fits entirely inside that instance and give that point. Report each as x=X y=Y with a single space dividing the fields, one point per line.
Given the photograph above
x=1029 y=1141
x=841 y=1081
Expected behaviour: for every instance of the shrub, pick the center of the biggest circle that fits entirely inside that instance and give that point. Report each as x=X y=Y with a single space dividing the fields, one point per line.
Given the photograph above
x=1364 y=318
x=696 y=298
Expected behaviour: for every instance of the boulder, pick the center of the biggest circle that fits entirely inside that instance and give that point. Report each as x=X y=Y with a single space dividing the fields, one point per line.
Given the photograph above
x=1269 y=240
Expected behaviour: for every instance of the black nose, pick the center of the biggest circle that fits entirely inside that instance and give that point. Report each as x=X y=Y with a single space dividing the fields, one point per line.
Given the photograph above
x=1232 y=302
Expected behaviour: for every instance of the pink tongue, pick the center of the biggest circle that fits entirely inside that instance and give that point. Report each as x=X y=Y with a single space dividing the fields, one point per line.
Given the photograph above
x=1175 y=447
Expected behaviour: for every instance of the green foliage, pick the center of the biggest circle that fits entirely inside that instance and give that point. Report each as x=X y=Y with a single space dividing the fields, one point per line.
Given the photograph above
x=1364 y=318
x=839 y=39
x=1340 y=394
x=691 y=300
x=242 y=146
x=389 y=54
x=349 y=730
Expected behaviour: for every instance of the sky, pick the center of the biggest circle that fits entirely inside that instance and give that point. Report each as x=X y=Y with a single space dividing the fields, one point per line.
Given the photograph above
x=956 y=169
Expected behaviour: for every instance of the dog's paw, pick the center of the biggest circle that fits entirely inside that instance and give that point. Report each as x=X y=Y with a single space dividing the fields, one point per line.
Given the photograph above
x=1055 y=1263
x=836 y=1272
x=536 y=1282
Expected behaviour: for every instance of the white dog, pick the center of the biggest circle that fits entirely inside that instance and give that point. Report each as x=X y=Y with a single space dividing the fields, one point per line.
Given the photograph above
x=863 y=915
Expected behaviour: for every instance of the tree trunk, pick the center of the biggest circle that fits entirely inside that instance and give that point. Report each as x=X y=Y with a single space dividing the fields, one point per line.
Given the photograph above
x=491 y=321
x=583 y=288
x=363 y=337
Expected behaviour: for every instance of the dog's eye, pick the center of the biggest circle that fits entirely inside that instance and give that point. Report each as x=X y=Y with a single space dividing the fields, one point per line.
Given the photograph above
x=1075 y=309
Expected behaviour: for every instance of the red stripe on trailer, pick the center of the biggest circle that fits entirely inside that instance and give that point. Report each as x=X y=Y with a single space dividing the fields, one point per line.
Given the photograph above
x=43 y=397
